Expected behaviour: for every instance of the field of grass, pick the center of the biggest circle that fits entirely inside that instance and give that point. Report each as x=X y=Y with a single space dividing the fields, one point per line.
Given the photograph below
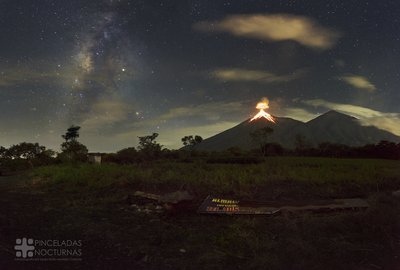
x=87 y=202
x=276 y=177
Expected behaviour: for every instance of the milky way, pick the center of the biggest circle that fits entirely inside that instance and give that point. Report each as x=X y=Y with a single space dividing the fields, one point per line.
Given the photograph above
x=122 y=69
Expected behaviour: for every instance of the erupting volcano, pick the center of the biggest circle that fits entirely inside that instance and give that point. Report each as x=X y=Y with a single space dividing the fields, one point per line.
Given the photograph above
x=262 y=106
x=332 y=127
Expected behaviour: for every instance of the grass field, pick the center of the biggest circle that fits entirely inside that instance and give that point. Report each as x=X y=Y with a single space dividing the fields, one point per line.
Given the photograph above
x=276 y=177
x=87 y=202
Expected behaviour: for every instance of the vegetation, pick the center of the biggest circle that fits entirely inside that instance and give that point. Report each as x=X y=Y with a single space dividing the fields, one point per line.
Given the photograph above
x=149 y=147
x=23 y=156
x=71 y=149
x=260 y=138
x=191 y=140
x=95 y=197
x=72 y=194
x=72 y=133
x=295 y=177
x=27 y=155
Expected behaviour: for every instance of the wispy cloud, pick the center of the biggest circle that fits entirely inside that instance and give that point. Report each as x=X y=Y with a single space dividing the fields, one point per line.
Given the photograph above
x=237 y=74
x=358 y=82
x=18 y=75
x=204 y=119
x=105 y=114
x=383 y=120
x=70 y=76
x=208 y=111
x=298 y=114
x=275 y=27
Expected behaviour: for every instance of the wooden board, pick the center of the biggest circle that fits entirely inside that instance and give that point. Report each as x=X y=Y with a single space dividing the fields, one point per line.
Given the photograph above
x=218 y=205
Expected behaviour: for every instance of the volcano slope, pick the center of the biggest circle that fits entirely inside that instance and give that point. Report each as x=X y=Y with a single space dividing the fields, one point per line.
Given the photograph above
x=333 y=127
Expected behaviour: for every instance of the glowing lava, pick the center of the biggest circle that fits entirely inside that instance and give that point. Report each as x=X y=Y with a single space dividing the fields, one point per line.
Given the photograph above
x=262 y=106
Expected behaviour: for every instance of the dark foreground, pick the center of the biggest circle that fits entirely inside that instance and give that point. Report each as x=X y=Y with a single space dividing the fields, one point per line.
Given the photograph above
x=115 y=235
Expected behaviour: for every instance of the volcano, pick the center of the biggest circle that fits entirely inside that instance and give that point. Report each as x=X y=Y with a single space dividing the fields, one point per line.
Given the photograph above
x=333 y=127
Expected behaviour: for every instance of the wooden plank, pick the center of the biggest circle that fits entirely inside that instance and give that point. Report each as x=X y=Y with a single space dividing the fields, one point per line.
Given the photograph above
x=219 y=205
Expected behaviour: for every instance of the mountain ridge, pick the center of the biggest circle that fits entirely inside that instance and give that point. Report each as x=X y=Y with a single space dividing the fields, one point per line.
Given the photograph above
x=332 y=126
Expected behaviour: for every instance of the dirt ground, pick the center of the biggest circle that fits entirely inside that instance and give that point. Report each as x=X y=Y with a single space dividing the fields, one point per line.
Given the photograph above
x=32 y=214
x=115 y=236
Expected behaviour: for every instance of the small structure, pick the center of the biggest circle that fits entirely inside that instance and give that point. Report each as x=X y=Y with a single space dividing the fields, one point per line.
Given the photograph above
x=94 y=158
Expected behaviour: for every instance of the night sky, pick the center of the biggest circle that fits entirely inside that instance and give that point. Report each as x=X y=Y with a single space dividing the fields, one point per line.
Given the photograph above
x=122 y=69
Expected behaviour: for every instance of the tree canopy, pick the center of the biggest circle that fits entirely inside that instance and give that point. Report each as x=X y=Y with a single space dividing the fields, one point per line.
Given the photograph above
x=72 y=150
x=72 y=133
x=191 y=140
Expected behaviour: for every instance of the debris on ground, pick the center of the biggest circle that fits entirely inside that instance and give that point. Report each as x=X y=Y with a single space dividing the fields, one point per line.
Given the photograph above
x=172 y=202
x=396 y=193
x=182 y=201
x=217 y=205
x=172 y=197
x=147 y=208
x=146 y=195
x=176 y=197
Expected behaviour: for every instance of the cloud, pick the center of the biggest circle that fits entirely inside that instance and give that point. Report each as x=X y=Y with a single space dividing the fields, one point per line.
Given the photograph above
x=70 y=76
x=346 y=108
x=205 y=120
x=382 y=120
x=298 y=114
x=275 y=27
x=105 y=114
x=208 y=111
x=359 y=82
x=237 y=74
x=17 y=75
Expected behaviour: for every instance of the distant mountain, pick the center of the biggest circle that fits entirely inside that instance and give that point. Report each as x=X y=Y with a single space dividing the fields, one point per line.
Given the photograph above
x=331 y=127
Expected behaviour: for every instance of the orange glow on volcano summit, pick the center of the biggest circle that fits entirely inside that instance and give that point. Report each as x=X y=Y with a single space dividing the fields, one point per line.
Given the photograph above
x=263 y=105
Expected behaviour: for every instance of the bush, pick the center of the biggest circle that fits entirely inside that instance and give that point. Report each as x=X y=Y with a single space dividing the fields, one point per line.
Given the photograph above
x=8 y=166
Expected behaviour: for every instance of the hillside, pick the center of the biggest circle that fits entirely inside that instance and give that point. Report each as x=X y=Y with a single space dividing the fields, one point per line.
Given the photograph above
x=331 y=127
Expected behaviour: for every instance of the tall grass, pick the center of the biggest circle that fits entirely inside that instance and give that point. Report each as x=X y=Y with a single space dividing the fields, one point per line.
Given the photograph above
x=277 y=176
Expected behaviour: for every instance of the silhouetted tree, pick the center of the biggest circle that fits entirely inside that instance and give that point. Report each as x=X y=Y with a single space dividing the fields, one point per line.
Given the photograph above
x=149 y=142
x=191 y=140
x=385 y=149
x=25 y=150
x=273 y=149
x=300 y=143
x=328 y=149
x=3 y=152
x=127 y=155
x=46 y=157
x=30 y=153
x=72 y=150
x=72 y=133
x=260 y=137
x=148 y=146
